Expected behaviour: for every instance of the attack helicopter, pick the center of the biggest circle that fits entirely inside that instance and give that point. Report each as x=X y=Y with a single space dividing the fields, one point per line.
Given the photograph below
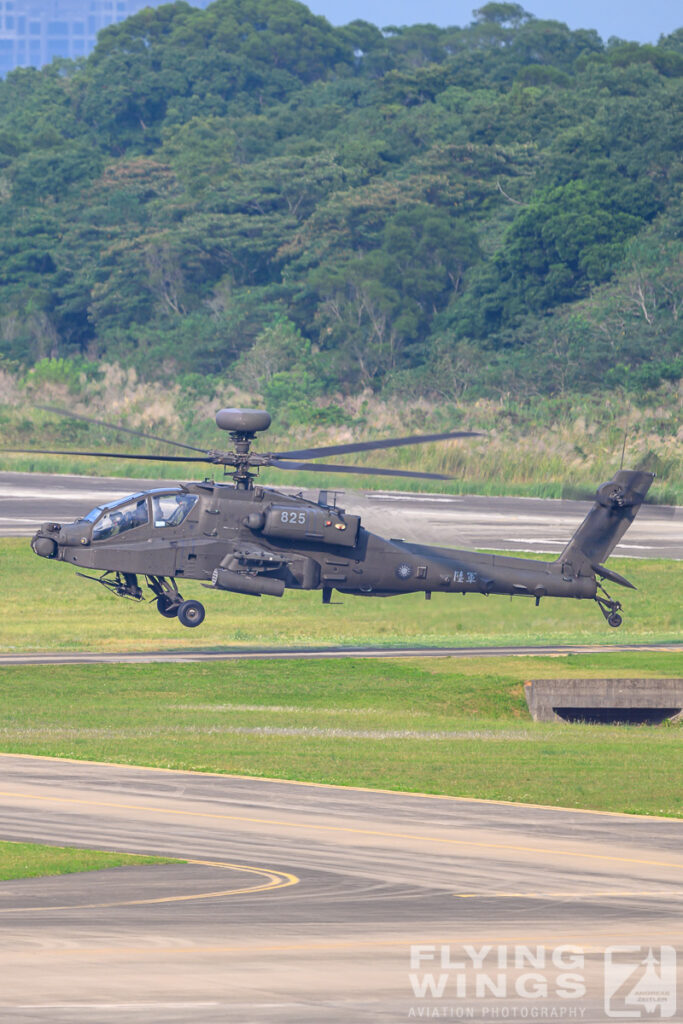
x=245 y=538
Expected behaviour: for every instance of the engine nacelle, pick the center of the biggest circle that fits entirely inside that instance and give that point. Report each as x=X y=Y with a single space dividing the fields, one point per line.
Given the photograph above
x=304 y=523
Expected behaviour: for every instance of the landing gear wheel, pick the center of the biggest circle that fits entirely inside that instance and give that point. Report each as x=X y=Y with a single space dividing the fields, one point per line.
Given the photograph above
x=609 y=608
x=166 y=606
x=191 y=613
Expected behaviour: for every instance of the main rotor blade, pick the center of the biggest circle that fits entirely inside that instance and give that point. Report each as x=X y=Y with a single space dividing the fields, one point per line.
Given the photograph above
x=369 y=446
x=322 y=467
x=114 y=426
x=111 y=455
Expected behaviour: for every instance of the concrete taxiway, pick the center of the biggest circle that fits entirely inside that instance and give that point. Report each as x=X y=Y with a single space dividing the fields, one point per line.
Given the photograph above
x=468 y=521
x=301 y=902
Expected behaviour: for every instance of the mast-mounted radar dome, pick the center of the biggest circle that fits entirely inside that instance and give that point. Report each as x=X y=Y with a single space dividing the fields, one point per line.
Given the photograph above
x=243 y=421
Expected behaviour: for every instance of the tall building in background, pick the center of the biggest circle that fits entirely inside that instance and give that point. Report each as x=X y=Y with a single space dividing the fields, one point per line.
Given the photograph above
x=33 y=32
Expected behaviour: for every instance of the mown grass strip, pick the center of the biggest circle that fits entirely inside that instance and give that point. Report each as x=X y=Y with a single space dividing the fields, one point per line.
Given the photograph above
x=458 y=727
x=31 y=860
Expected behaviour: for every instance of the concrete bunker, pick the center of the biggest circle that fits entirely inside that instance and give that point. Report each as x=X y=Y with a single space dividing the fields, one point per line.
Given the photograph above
x=605 y=701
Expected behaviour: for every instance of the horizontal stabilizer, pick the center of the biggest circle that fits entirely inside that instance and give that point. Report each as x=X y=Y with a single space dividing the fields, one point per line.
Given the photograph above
x=615 y=577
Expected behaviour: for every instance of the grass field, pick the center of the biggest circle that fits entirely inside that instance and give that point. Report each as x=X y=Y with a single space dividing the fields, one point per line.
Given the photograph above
x=47 y=606
x=449 y=726
x=441 y=725
x=29 y=860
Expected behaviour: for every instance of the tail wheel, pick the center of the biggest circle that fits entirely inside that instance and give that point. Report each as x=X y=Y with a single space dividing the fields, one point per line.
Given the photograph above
x=191 y=613
x=166 y=606
x=609 y=608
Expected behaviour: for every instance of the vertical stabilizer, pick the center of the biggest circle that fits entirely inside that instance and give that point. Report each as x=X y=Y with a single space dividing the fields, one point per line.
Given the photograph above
x=616 y=506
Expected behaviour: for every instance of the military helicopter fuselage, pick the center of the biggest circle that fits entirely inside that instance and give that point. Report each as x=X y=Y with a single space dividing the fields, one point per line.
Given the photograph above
x=248 y=539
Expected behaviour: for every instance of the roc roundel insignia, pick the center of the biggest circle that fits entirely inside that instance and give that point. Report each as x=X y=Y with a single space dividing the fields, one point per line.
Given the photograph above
x=404 y=571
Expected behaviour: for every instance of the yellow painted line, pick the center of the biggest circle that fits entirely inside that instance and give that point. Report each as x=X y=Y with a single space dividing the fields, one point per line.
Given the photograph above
x=344 y=829
x=342 y=789
x=276 y=880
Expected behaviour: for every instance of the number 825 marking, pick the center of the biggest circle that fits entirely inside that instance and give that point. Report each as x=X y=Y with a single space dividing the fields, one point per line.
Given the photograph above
x=293 y=517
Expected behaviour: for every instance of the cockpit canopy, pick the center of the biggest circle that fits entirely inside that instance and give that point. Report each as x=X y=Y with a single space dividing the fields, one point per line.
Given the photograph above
x=172 y=509
x=121 y=518
x=169 y=508
x=118 y=503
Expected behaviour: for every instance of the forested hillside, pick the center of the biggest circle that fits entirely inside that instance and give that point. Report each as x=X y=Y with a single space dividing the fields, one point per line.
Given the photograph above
x=247 y=193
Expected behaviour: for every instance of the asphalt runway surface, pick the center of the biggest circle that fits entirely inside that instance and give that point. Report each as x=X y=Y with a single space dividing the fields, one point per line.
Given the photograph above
x=305 y=903
x=467 y=521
